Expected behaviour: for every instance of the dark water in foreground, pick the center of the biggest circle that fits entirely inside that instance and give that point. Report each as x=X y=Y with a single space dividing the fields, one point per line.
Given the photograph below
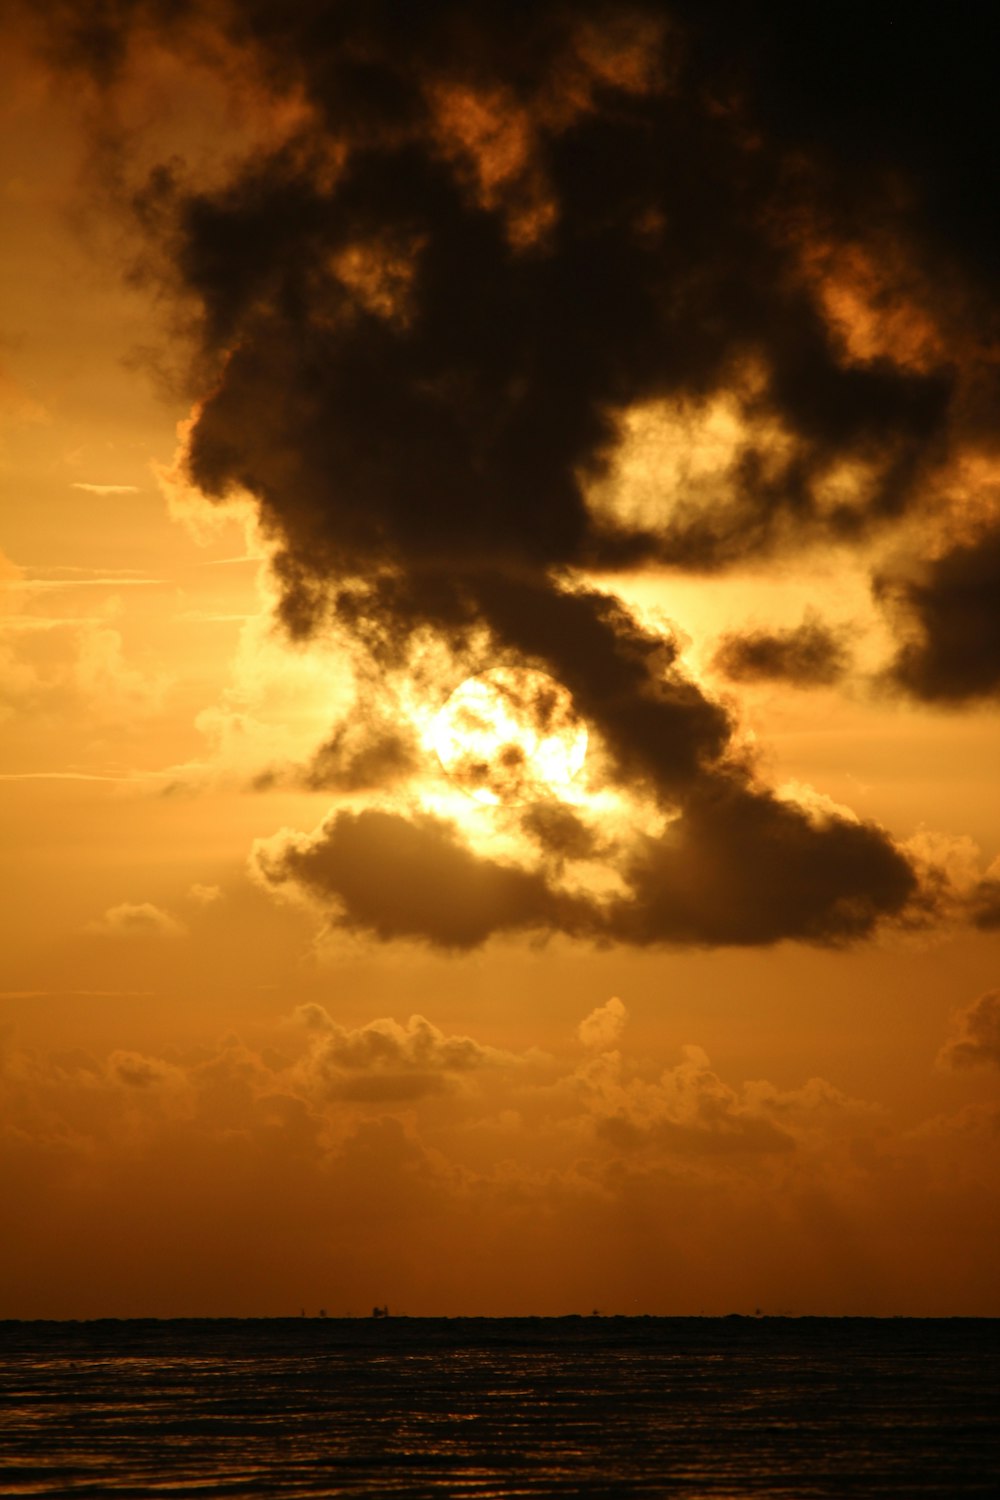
x=686 y=1407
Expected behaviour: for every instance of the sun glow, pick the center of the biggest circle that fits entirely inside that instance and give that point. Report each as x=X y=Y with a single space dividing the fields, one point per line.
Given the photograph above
x=510 y=735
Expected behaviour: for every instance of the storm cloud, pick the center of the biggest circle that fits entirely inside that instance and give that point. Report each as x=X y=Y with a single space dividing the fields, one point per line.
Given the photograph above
x=418 y=375
x=427 y=317
x=948 y=612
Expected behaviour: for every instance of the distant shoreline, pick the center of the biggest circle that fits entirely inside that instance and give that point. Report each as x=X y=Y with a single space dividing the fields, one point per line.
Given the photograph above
x=588 y=1319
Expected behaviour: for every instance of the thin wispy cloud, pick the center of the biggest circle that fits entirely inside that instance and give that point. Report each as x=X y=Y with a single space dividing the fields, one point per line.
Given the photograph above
x=58 y=994
x=105 y=489
x=41 y=622
x=206 y=617
x=66 y=776
x=40 y=585
x=136 y=919
x=66 y=570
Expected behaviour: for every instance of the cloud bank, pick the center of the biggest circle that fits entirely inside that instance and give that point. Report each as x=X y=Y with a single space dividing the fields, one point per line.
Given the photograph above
x=345 y=1157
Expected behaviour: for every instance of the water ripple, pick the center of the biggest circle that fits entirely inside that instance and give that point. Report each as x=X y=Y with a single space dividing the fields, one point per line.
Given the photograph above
x=699 y=1409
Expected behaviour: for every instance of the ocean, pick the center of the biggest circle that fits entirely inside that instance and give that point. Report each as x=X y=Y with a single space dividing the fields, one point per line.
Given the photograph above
x=491 y=1407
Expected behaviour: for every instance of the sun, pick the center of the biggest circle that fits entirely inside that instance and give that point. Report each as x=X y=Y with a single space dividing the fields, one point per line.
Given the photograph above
x=510 y=735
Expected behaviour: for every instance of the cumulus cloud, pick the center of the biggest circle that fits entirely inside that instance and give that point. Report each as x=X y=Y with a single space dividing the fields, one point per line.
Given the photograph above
x=601 y=1030
x=975 y=1041
x=137 y=919
x=810 y=655
x=134 y=1070
x=689 y=1109
x=985 y=904
x=371 y=1167
x=387 y=1070
x=385 y=1061
x=205 y=895
x=737 y=866
x=359 y=284
x=741 y=865
x=527 y=147
x=949 y=620
x=524 y=299
x=361 y=755
x=395 y=877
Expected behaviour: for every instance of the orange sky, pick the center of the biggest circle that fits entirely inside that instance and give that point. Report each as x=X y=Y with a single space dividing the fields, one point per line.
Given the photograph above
x=288 y=1016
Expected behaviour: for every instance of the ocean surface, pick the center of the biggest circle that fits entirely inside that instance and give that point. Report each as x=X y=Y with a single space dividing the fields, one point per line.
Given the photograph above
x=685 y=1407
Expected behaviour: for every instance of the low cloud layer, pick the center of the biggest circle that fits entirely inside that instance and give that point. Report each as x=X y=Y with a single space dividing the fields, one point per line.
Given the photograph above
x=385 y=1061
x=688 y=1108
x=342 y=1157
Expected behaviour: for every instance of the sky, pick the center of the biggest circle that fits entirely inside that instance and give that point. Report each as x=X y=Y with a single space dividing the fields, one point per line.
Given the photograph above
x=499 y=659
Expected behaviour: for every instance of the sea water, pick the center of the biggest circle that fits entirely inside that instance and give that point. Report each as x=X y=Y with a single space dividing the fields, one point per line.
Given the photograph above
x=685 y=1407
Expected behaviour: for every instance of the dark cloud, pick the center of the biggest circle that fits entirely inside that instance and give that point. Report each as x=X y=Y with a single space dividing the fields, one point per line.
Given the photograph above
x=872 y=97
x=422 y=320
x=626 y=680
x=405 y=383
x=361 y=755
x=395 y=877
x=950 y=611
x=738 y=866
x=986 y=905
x=543 y=216
x=559 y=831
x=976 y=1038
x=658 y=726
x=93 y=37
x=810 y=655
x=742 y=866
